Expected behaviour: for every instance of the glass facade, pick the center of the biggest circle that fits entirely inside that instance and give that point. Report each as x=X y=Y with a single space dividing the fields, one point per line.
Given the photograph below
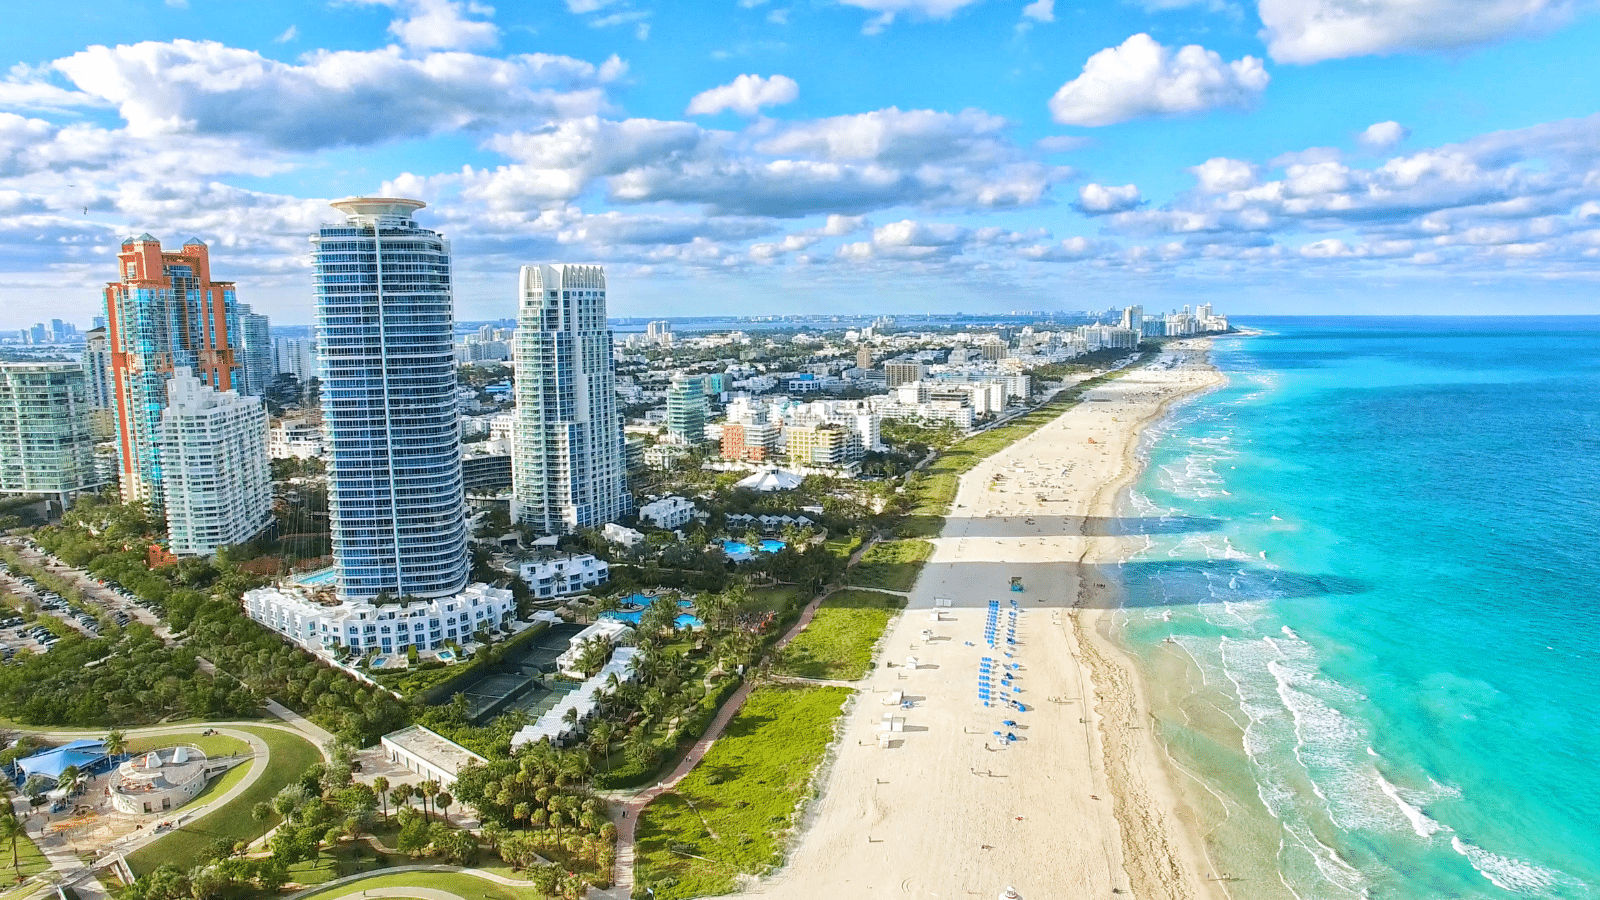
x=569 y=464
x=390 y=430
x=257 y=354
x=46 y=444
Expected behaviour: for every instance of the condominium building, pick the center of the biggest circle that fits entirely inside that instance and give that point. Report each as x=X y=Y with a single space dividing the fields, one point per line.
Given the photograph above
x=97 y=369
x=214 y=458
x=301 y=612
x=257 y=351
x=569 y=463
x=901 y=371
x=46 y=442
x=686 y=410
x=749 y=441
x=392 y=440
x=295 y=439
x=296 y=357
x=164 y=315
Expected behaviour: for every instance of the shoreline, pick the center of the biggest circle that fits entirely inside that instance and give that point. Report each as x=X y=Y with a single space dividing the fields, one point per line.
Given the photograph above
x=943 y=804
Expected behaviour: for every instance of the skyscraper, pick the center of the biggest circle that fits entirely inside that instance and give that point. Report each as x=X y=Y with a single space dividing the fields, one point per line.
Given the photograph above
x=387 y=365
x=214 y=461
x=257 y=355
x=165 y=314
x=686 y=410
x=569 y=461
x=46 y=443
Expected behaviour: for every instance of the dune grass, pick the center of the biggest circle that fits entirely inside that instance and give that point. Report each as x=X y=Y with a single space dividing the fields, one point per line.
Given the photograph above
x=733 y=813
x=838 y=643
x=891 y=566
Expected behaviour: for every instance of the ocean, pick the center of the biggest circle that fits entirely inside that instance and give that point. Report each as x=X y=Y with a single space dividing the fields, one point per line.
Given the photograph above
x=1369 y=607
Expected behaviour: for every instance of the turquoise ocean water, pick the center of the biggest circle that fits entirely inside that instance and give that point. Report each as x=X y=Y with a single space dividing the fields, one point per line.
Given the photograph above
x=1378 y=569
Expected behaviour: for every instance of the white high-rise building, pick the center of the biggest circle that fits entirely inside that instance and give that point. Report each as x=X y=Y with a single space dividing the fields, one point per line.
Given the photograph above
x=214 y=462
x=569 y=463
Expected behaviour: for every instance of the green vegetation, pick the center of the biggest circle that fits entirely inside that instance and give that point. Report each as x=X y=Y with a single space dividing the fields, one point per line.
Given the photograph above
x=838 y=643
x=30 y=860
x=291 y=755
x=341 y=861
x=210 y=744
x=732 y=814
x=893 y=565
x=459 y=883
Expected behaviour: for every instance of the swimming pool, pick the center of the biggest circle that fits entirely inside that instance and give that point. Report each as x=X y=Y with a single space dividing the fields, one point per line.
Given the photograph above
x=739 y=551
x=771 y=546
x=446 y=655
x=378 y=662
x=632 y=618
x=319 y=577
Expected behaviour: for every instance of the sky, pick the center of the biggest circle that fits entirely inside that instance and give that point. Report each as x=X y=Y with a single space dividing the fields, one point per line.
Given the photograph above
x=825 y=156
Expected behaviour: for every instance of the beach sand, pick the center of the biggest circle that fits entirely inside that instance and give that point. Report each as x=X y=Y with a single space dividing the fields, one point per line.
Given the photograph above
x=1080 y=805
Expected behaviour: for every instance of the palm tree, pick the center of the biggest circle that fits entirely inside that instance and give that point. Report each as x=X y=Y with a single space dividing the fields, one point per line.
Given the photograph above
x=11 y=828
x=429 y=789
x=262 y=813
x=380 y=786
x=441 y=802
x=116 y=743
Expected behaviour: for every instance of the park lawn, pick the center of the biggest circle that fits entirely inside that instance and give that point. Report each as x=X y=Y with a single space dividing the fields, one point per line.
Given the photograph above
x=839 y=641
x=31 y=861
x=291 y=756
x=341 y=861
x=892 y=566
x=210 y=744
x=745 y=791
x=459 y=883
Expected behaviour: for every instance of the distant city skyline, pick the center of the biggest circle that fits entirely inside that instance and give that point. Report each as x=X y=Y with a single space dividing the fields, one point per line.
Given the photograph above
x=1272 y=156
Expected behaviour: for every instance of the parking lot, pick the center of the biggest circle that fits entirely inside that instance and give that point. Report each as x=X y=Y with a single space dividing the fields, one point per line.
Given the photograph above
x=103 y=604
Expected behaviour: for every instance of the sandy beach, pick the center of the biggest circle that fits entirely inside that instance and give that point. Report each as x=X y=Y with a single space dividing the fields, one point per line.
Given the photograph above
x=1079 y=804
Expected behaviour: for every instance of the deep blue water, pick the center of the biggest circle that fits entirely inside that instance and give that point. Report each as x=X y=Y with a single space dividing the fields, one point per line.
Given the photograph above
x=1393 y=592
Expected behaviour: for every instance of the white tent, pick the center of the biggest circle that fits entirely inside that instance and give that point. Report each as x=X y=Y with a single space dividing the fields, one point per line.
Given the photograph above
x=770 y=479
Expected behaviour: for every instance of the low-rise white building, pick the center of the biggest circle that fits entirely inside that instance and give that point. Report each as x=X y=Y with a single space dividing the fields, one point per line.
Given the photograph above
x=557 y=576
x=668 y=512
x=622 y=534
x=295 y=439
x=428 y=754
x=614 y=632
x=311 y=616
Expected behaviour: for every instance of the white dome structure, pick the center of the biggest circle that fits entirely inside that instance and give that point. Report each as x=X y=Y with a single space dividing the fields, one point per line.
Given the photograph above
x=159 y=780
x=770 y=479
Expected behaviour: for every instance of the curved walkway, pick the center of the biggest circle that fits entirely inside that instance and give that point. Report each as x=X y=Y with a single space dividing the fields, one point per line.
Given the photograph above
x=630 y=809
x=494 y=877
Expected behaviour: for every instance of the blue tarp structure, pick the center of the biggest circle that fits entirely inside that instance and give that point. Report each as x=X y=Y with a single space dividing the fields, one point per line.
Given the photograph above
x=54 y=761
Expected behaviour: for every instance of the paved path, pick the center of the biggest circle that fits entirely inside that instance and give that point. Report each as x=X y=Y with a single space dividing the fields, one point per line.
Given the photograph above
x=630 y=809
x=424 y=893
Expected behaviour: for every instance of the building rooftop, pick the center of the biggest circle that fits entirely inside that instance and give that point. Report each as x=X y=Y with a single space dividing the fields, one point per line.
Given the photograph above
x=433 y=747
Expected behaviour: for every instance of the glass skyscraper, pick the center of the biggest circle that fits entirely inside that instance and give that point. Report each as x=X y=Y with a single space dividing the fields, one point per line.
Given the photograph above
x=569 y=461
x=386 y=361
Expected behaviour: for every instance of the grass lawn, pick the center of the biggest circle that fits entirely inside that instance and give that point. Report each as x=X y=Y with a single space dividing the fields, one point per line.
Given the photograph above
x=211 y=744
x=838 y=643
x=291 y=756
x=31 y=861
x=458 y=883
x=893 y=565
x=346 y=859
x=732 y=814
x=771 y=599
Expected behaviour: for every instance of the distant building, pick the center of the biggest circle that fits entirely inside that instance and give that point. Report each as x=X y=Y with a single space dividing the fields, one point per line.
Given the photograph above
x=256 y=352
x=294 y=439
x=294 y=356
x=686 y=410
x=214 y=452
x=749 y=441
x=899 y=371
x=622 y=535
x=47 y=445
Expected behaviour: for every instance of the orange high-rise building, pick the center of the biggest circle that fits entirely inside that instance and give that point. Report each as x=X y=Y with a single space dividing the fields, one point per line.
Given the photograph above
x=164 y=313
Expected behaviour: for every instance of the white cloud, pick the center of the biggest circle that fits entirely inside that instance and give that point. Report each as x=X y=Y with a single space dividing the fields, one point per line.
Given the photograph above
x=587 y=6
x=1220 y=175
x=1040 y=11
x=887 y=10
x=745 y=95
x=1061 y=143
x=1143 y=78
x=612 y=228
x=898 y=137
x=330 y=98
x=1069 y=250
x=443 y=25
x=1308 y=31
x=289 y=34
x=1100 y=199
x=1382 y=136
x=178 y=4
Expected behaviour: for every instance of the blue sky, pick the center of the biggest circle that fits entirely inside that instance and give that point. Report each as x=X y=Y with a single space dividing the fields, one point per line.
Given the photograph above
x=774 y=156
